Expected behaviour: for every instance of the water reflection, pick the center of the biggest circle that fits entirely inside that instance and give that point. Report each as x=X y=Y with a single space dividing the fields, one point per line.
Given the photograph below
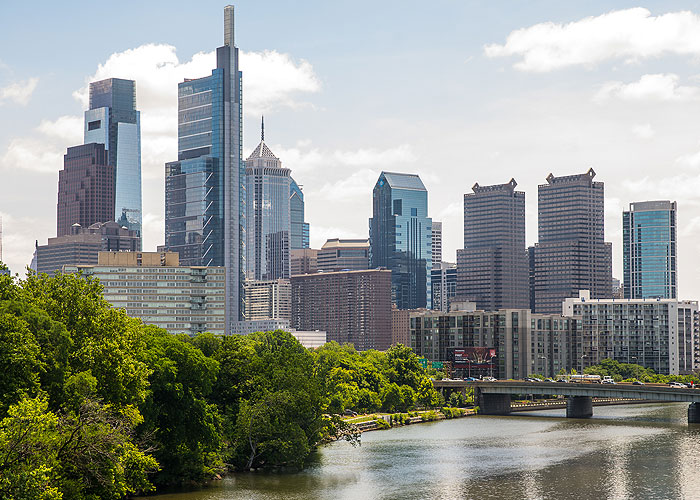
x=641 y=451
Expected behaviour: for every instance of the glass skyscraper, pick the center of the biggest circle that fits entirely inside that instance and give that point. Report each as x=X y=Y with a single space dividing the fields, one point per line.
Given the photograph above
x=400 y=238
x=268 y=217
x=205 y=187
x=113 y=120
x=649 y=250
x=300 y=229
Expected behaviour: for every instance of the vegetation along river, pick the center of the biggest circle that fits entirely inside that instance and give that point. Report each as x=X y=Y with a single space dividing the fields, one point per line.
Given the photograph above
x=623 y=452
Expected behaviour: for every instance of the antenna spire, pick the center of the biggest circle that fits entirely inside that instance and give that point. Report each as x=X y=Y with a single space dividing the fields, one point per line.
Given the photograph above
x=262 y=128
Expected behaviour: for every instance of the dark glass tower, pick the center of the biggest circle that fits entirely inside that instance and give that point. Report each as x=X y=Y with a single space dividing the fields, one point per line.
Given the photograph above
x=400 y=238
x=113 y=120
x=571 y=253
x=85 y=188
x=649 y=250
x=300 y=229
x=492 y=268
x=205 y=188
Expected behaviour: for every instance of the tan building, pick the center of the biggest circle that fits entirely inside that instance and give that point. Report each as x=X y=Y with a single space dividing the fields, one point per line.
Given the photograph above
x=344 y=255
x=400 y=326
x=268 y=300
x=304 y=261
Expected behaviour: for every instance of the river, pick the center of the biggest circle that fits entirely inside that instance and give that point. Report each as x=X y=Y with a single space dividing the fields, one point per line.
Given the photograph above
x=623 y=452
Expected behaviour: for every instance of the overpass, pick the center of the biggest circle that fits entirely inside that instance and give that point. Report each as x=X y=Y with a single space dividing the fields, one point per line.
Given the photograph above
x=493 y=398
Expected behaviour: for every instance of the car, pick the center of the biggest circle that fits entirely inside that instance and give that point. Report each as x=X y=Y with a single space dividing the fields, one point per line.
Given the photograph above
x=531 y=379
x=637 y=382
x=489 y=379
x=549 y=380
x=470 y=379
x=677 y=385
x=608 y=382
x=563 y=380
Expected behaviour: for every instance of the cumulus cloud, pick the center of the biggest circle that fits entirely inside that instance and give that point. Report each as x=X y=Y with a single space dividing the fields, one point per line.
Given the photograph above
x=67 y=128
x=630 y=35
x=644 y=131
x=360 y=157
x=657 y=87
x=19 y=92
x=353 y=187
x=34 y=154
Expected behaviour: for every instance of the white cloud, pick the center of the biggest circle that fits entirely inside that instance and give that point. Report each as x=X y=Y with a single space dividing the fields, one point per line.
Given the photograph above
x=644 y=131
x=320 y=234
x=361 y=157
x=630 y=35
x=19 y=92
x=657 y=87
x=351 y=188
x=34 y=154
x=67 y=128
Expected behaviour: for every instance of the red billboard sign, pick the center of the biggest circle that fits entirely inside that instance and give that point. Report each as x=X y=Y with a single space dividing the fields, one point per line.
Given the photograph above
x=475 y=356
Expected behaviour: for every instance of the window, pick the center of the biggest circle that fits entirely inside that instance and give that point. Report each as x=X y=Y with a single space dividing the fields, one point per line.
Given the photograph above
x=398 y=207
x=94 y=125
x=414 y=212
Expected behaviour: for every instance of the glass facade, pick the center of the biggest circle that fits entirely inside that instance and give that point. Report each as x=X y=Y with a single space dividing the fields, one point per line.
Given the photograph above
x=649 y=250
x=401 y=238
x=113 y=120
x=300 y=230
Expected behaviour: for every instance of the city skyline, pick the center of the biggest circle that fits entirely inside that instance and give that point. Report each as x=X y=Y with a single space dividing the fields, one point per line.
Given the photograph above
x=627 y=114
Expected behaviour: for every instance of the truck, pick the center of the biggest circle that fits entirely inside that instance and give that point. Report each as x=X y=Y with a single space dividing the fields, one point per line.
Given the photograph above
x=581 y=379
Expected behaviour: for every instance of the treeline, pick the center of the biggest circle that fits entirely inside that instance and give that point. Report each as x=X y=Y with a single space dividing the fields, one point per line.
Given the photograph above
x=630 y=371
x=94 y=404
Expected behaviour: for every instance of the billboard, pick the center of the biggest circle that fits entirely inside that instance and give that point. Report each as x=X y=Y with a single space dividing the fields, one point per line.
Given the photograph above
x=474 y=357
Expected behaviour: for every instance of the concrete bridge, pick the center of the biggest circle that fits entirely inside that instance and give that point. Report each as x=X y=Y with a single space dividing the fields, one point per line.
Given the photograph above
x=493 y=398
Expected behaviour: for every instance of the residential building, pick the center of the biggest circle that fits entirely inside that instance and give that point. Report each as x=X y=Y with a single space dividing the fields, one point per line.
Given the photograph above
x=153 y=286
x=268 y=218
x=400 y=326
x=508 y=343
x=114 y=121
x=437 y=243
x=85 y=188
x=259 y=325
x=343 y=255
x=655 y=333
x=492 y=268
x=83 y=245
x=205 y=188
x=649 y=250
x=531 y=276
x=299 y=238
x=350 y=306
x=270 y=299
x=400 y=237
x=571 y=253
x=444 y=284
x=618 y=289
x=304 y=261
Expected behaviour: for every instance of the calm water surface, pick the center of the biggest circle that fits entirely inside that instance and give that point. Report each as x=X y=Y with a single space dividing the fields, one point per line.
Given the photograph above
x=623 y=452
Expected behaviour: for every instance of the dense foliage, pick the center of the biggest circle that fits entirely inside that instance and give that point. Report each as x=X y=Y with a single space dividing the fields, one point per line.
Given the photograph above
x=94 y=404
x=629 y=371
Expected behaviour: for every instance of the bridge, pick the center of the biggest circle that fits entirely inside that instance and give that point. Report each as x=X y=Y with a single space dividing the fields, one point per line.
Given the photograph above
x=493 y=398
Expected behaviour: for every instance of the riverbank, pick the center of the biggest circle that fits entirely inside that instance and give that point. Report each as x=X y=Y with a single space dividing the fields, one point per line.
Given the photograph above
x=381 y=421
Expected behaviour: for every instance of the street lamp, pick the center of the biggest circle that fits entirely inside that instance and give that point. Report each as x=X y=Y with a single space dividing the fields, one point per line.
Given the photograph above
x=545 y=364
x=584 y=356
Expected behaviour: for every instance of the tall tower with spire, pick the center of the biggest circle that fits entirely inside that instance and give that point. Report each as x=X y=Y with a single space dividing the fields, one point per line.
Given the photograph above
x=268 y=218
x=205 y=202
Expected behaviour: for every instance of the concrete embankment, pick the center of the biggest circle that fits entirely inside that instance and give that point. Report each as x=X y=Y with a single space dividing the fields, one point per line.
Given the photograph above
x=550 y=405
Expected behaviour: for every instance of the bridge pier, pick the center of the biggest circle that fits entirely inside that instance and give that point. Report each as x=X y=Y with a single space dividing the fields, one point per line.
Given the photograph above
x=581 y=407
x=494 y=404
x=694 y=413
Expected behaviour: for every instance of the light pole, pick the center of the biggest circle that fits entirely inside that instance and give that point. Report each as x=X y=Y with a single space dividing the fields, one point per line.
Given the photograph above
x=545 y=365
x=584 y=356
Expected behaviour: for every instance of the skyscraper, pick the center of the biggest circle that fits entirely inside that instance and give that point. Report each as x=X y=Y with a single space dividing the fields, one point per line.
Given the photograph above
x=343 y=255
x=268 y=220
x=205 y=188
x=400 y=237
x=649 y=250
x=300 y=229
x=492 y=268
x=113 y=120
x=437 y=244
x=571 y=253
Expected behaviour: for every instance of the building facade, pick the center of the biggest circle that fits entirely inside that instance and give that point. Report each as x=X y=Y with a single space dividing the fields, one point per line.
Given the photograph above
x=300 y=230
x=83 y=245
x=400 y=237
x=571 y=253
x=654 y=333
x=268 y=219
x=85 y=188
x=492 y=269
x=444 y=284
x=350 y=306
x=205 y=188
x=268 y=300
x=304 y=261
x=153 y=287
x=343 y=255
x=649 y=250
x=114 y=121
x=437 y=243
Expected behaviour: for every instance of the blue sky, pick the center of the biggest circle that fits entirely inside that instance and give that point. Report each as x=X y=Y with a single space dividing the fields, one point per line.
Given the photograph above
x=456 y=91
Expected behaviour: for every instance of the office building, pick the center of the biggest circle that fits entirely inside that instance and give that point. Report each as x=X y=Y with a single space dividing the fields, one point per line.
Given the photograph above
x=649 y=250
x=492 y=268
x=400 y=326
x=655 y=333
x=113 y=121
x=300 y=230
x=350 y=306
x=400 y=238
x=531 y=276
x=153 y=286
x=85 y=188
x=83 y=245
x=304 y=261
x=343 y=255
x=444 y=284
x=205 y=188
x=437 y=243
x=268 y=218
x=268 y=300
x=571 y=253
x=509 y=343
x=618 y=289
